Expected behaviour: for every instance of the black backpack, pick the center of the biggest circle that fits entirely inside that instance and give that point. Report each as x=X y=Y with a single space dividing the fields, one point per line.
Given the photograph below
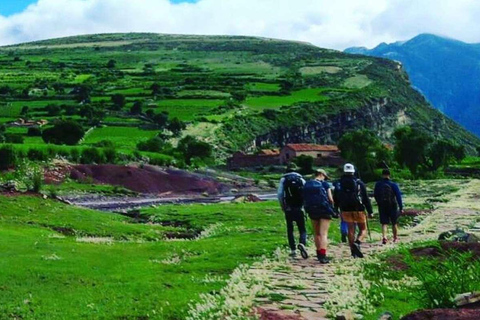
x=349 y=195
x=315 y=199
x=386 y=197
x=293 y=190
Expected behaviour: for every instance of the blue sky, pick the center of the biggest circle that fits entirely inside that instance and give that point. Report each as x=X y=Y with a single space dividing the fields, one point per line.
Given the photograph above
x=334 y=24
x=9 y=7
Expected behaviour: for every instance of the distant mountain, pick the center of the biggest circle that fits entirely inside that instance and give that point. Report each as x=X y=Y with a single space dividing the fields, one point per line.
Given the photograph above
x=446 y=71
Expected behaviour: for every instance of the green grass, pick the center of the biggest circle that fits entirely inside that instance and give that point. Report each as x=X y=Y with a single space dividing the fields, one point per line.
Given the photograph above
x=438 y=280
x=357 y=82
x=263 y=87
x=123 y=137
x=49 y=275
x=269 y=102
x=187 y=109
x=308 y=71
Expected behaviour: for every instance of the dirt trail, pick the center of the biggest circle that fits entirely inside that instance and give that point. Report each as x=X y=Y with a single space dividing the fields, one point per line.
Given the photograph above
x=307 y=287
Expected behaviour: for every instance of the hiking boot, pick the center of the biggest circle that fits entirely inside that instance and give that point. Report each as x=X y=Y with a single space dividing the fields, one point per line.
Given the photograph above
x=344 y=237
x=303 y=250
x=323 y=259
x=293 y=253
x=395 y=240
x=384 y=241
x=356 y=252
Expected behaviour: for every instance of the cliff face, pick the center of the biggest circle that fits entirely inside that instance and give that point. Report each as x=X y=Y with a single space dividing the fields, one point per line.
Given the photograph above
x=381 y=116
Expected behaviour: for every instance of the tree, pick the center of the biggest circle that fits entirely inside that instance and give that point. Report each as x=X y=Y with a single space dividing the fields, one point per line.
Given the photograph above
x=93 y=114
x=152 y=145
x=82 y=93
x=411 y=148
x=364 y=149
x=443 y=153
x=8 y=157
x=53 y=110
x=478 y=151
x=176 y=126
x=239 y=96
x=118 y=101
x=111 y=64
x=25 y=111
x=150 y=113
x=161 y=119
x=305 y=164
x=191 y=148
x=67 y=132
x=136 y=108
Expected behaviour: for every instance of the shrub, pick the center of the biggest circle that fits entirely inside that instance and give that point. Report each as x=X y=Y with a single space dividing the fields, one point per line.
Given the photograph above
x=37 y=155
x=105 y=144
x=34 y=132
x=110 y=155
x=67 y=132
x=152 y=145
x=92 y=155
x=14 y=138
x=191 y=148
x=74 y=155
x=8 y=157
x=443 y=279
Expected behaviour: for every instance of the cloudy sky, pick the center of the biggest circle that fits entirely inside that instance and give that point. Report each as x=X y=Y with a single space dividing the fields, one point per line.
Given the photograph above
x=327 y=23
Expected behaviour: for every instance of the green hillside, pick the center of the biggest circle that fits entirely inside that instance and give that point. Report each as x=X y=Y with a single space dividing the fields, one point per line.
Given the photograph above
x=230 y=90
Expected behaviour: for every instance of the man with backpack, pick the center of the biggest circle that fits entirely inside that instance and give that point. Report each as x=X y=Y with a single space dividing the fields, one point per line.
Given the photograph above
x=290 y=196
x=318 y=203
x=390 y=204
x=352 y=199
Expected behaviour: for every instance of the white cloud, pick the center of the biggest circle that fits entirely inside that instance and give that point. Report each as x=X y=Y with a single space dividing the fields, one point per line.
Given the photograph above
x=327 y=23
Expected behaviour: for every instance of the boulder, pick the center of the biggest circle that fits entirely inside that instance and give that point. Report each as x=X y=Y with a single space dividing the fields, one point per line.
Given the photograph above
x=458 y=235
x=468 y=300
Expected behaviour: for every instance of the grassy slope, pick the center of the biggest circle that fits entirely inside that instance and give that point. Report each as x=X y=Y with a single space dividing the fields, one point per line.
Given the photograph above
x=45 y=274
x=203 y=72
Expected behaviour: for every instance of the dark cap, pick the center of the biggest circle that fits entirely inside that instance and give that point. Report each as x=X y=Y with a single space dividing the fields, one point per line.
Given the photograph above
x=385 y=172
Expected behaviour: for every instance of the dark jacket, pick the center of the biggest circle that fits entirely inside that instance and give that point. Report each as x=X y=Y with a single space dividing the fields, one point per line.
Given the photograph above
x=395 y=188
x=365 y=205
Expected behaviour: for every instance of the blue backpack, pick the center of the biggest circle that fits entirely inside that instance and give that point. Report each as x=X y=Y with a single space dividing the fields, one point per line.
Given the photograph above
x=316 y=201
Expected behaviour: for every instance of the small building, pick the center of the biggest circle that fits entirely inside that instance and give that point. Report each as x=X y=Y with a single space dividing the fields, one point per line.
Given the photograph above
x=318 y=152
x=263 y=158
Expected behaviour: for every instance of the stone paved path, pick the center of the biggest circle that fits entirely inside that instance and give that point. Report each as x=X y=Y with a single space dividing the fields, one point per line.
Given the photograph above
x=302 y=285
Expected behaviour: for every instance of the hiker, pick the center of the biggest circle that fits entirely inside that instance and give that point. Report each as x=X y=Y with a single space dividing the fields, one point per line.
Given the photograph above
x=290 y=196
x=352 y=199
x=343 y=224
x=390 y=204
x=318 y=203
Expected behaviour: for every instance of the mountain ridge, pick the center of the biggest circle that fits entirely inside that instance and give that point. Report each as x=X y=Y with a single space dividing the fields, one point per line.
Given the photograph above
x=237 y=93
x=445 y=70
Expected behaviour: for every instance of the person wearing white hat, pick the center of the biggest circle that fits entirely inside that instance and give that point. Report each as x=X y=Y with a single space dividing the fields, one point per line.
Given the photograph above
x=351 y=197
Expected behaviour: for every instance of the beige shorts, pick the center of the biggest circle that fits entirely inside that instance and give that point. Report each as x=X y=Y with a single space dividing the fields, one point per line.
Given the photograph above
x=354 y=216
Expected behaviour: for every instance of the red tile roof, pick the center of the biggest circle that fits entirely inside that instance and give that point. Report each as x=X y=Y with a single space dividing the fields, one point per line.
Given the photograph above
x=303 y=147
x=269 y=152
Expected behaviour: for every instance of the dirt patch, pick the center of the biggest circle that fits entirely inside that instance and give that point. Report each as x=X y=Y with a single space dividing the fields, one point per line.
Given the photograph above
x=415 y=212
x=57 y=174
x=396 y=261
x=186 y=235
x=147 y=179
x=64 y=230
x=444 y=314
x=474 y=248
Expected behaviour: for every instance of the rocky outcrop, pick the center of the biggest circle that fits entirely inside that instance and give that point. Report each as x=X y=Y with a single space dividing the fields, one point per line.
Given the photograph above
x=382 y=116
